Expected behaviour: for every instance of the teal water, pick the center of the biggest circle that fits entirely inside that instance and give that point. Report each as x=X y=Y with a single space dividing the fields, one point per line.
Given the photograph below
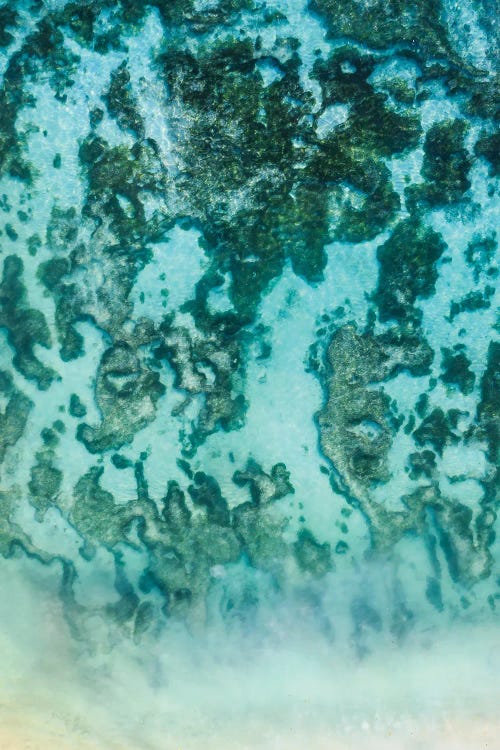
x=249 y=374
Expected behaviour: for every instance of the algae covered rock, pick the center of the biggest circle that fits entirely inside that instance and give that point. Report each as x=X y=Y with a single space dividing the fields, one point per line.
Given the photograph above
x=46 y=477
x=311 y=555
x=14 y=415
x=127 y=394
x=121 y=102
x=411 y=246
x=26 y=327
x=264 y=487
x=331 y=168
x=354 y=425
x=446 y=163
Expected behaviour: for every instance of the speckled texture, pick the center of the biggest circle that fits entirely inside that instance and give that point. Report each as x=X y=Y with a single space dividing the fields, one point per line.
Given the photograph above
x=249 y=344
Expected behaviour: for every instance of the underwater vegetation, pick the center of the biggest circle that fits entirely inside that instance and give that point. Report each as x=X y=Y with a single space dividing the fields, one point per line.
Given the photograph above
x=176 y=175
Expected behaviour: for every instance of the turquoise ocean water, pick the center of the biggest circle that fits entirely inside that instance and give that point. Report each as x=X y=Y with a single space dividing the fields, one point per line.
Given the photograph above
x=249 y=374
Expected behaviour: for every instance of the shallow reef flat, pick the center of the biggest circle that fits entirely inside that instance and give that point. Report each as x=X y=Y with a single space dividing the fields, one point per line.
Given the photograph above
x=249 y=373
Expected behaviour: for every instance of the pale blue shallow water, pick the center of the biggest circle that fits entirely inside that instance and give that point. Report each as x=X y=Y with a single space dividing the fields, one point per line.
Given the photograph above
x=249 y=374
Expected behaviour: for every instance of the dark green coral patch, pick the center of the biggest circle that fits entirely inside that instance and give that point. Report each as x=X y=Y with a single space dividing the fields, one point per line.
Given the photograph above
x=445 y=167
x=311 y=556
x=34 y=244
x=255 y=166
x=72 y=344
x=120 y=169
x=375 y=126
x=271 y=161
x=422 y=405
x=303 y=223
x=127 y=394
x=96 y=116
x=483 y=101
x=119 y=179
x=55 y=275
x=11 y=232
x=125 y=608
x=211 y=366
x=351 y=155
x=357 y=428
x=62 y=229
x=488 y=146
x=45 y=50
x=26 y=327
x=260 y=534
x=343 y=77
x=356 y=423
x=49 y=437
x=400 y=90
x=175 y=511
x=141 y=481
x=473 y=301
x=185 y=13
x=206 y=493
x=121 y=462
x=223 y=81
x=354 y=428
x=12 y=98
x=488 y=410
x=368 y=206
x=456 y=370
x=14 y=416
x=95 y=514
x=185 y=467
x=9 y=18
x=480 y=253
x=407 y=269
x=446 y=161
x=76 y=408
x=12 y=536
x=264 y=487
x=437 y=430
x=52 y=271
x=45 y=482
x=80 y=18
x=291 y=225
x=121 y=102
x=74 y=301
x=422 y=465
x=183 y=548
x=404 y=349
x=383 y=23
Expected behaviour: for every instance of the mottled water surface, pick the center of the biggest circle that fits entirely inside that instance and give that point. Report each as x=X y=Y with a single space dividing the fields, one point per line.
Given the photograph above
x=249 y=374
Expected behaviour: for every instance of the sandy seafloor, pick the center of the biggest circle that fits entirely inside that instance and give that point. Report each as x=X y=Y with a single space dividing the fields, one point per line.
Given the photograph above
x=299 y=671
x=204 y=694
x=179 y=692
